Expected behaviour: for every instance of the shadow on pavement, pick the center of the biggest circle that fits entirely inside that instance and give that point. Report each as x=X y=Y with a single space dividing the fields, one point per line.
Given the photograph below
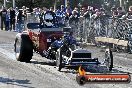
x=50 y=63
x=15 y=82
x=90 y=68
x=95 y=69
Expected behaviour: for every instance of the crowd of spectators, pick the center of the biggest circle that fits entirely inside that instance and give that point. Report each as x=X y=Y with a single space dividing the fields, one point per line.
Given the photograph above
x=12 y=19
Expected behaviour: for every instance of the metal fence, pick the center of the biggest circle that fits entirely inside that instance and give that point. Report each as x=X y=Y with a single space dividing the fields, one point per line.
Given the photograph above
x=87 y=29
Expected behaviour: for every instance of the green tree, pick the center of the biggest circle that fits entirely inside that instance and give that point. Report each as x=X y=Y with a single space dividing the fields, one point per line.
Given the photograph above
x=34 y=3
x=73 y=3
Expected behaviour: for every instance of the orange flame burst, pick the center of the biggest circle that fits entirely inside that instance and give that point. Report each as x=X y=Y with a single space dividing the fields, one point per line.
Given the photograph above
x=81 y=71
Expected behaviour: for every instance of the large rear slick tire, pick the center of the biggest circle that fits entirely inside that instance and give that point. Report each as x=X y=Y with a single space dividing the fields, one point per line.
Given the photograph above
x=23 y=48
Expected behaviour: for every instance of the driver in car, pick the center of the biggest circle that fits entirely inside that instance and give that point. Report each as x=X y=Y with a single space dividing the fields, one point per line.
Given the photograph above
x=54 y=46
x=70 y=39
x=57 y=43
x=64 y=44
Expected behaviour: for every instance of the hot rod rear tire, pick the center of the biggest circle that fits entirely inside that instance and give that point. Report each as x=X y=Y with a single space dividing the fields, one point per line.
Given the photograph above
x=23 y=48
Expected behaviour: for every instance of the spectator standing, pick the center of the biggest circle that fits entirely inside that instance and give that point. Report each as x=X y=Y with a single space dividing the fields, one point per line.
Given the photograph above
x=45 y=10
x=129 y=14
x=60 y=17
x=12 y=19
x=7 y=26
x=74 y=16
x=62 y=11
x=37 y=12
x=24 y=17
x=96 y=15
x=88 y=13
x=20 y=20
x=41 y=19
x=68 y=12
x=16 y=11
x=114 y=12
x=120 y=12
x=83 y=11
x=16 y=15
x=3 y=17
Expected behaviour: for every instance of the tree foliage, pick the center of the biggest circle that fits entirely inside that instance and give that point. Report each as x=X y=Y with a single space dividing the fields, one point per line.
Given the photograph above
x=73 y=3
x=34 y=3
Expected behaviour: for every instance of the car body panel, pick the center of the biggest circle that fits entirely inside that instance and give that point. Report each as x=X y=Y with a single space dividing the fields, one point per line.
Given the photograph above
x=42 y=38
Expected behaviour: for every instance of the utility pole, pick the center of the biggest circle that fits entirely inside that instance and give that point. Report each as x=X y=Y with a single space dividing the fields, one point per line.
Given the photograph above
x=122 y=4
x=55 y=5
x=65 y=3
x=4 y=3
x=13 y=3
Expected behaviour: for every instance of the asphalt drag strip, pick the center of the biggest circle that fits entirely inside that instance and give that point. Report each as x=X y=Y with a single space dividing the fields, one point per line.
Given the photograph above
x=42 y=73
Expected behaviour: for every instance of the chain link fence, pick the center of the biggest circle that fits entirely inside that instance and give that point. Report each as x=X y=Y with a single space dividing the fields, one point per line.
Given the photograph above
x=116 y=31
